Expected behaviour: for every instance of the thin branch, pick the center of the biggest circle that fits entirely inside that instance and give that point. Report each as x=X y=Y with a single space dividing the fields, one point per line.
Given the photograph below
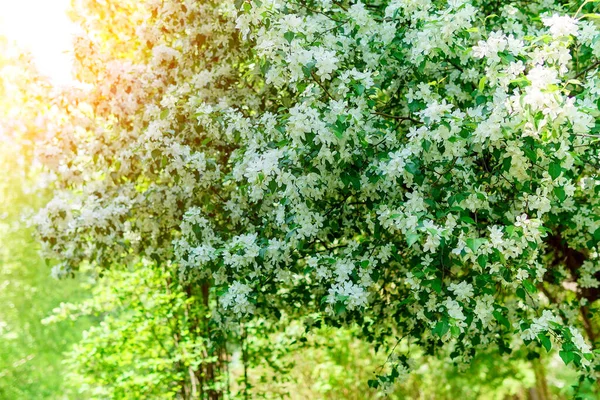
x=586 y=135
x=338 y=205
x=437 y=181
x=321 y=85
x=391 y=353
x=340 y=5
x=397 y=117
x=588 y=69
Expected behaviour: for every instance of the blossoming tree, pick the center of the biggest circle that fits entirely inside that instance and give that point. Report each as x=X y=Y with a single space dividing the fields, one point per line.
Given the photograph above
x=424 y=169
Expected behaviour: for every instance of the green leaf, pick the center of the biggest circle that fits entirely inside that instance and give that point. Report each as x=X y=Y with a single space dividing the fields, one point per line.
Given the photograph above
x=501 y=319
x=358 y=88
x=340 y=307
x=482 y=82
x=567 y=356
x=520 y=82
x=510 y=230
x=474 y=244
x=455 y=331
x=441 y=328
x=339 y=127
x=436 y=284
x=506 y=164
x=373 y=383
x=290 y=234
x=560 y=193
x=411 y=168
x=482 y=260
x=197 y=231
x=351 y=178
x=411 y=238
x=591 y=16
x=597 y=235
x=426 y=144
x=554 y=170
x=530 y=287
x=506 y=56
x=309 y=68
x=545 y=341
x=289 y=36
x=156 y=153
x=467 y=219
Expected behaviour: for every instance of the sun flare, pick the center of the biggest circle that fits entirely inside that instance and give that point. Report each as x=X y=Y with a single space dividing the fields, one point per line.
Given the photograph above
x=43 y=28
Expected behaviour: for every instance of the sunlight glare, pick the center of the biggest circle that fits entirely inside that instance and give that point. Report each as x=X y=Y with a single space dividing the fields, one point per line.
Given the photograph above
x=43 y=28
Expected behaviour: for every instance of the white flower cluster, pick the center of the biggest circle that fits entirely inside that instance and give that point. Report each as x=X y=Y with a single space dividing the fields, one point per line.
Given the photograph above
x=539 y=325
x=397 y=161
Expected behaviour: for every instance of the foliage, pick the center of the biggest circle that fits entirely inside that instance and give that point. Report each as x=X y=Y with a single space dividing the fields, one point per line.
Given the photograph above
x=149 y=343
x=423 y=170
x=30 y=353
x=335 y=365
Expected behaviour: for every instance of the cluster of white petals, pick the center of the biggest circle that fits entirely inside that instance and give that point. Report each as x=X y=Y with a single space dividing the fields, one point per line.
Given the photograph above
x=406 y=163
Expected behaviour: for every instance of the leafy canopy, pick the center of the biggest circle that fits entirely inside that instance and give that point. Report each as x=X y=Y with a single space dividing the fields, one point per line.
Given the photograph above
x=424 y=169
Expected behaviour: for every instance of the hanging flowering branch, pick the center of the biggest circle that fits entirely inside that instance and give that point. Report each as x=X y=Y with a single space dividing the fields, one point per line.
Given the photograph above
x=426 y=169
